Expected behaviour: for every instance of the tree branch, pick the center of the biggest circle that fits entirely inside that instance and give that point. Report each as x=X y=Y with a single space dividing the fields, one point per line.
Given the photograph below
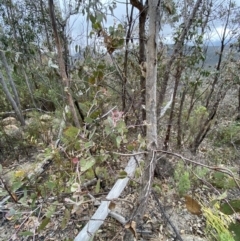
x=137 y=4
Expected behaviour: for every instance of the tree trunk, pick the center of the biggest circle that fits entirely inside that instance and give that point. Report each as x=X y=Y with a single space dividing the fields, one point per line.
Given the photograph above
x=142 y=54
x=65 y=79
x=177 y=49
x=151 y=107
x=11 y=100
x=9 y=75
x=179 y=119
x=177 y=76
x=45 y=26
x=142 y=58
x=124 y=80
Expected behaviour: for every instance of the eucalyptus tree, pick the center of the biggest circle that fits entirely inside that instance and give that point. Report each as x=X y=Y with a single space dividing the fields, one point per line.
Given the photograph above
x=22 y=37
x=154 y=8
x=142 y=8
x=222 y=78
x=61 y=63
x=13 y=99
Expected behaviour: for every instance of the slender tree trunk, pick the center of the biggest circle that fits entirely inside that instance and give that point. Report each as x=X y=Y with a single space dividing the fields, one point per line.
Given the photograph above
x=177 y=49
x=29 y=88
x=45 y=26
x=11 y=100
x=151 y=107
x=238 y=108
x=125 y=70
x=142 y=58
x=205 y=128
x=65 y=79
x=179 y=120
x=215 y=95
x=9 y=75
x=142 y=54
x=170 y=121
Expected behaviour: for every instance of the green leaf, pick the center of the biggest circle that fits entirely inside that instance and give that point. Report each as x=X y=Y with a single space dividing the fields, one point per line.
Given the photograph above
x=235 y=228
x=43 y=224
x=111 y=30
x=92 y=132
x=88 y=120
x=89 y=144
x=97 y=188
x=121 y=127
x=16 y=186
x=51 y=210
x=51 y=184
x=86 y=164
x=92 y=18
x=97 y=26
x=75 y=187
x=71 y=132
x=25 y=233
x=66 y=219
x=108 y=130
x=230 y=207
x=76 y=48
x=122 y=174
x=99 y=17
x=118 y=140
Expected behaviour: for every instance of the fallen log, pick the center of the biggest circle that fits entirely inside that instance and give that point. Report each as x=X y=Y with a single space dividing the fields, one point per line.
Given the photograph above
x=102 y=212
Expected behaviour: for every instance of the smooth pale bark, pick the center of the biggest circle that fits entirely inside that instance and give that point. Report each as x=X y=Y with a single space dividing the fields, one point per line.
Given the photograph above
x=151 y=107
x=11 y=100
x=9 y=75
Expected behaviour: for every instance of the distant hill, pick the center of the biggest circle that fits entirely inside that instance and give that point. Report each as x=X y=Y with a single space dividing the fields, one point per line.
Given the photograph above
x=212 y=53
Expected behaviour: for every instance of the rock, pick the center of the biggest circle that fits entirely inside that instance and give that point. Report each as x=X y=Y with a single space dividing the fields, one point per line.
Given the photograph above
x=10 y=121
x=13 y=131
x=45 y=118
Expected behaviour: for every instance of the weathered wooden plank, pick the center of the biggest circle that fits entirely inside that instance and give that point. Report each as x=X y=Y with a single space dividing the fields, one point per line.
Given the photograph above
x=102 y=212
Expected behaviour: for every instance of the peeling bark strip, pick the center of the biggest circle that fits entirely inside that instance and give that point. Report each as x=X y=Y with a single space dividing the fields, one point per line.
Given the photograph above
x=102 y=212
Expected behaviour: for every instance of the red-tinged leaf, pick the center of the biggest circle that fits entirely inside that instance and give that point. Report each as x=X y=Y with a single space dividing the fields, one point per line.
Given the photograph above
x=75 y=160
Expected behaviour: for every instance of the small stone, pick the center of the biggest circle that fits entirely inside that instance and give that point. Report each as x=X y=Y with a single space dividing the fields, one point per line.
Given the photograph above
x=10 y=121
x=13 y=131
x=45 y=117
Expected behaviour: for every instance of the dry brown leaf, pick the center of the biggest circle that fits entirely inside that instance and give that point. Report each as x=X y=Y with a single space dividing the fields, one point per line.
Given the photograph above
x=132 y=227
x=112 y=205
x=192 y=205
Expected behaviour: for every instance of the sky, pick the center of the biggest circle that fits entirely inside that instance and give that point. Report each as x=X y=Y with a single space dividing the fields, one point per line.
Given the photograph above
x=78 y=26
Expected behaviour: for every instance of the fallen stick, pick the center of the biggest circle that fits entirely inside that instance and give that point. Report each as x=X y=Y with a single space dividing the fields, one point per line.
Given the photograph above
x=102 y=212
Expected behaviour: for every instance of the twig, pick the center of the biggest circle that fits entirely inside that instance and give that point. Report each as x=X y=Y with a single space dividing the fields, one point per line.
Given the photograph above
x=166 y=217
x=24 y=221
x=128 y=154
x=214 y=168
x=8 y=191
